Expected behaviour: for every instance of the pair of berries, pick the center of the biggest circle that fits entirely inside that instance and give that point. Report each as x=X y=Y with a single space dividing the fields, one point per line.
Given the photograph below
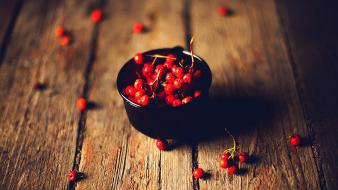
x=61 y=33
x=167 y=83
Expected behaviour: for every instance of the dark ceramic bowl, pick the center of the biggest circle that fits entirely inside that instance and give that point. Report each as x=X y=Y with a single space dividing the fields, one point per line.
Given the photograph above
x=165 y=122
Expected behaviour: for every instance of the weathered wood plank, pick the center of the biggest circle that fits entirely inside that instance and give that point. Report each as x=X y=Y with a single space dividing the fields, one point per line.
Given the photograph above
x=38 y=128
x=312 y=34
x=114 y=155
x=252 y=77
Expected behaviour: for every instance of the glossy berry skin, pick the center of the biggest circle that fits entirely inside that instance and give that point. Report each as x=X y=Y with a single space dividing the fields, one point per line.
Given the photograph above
x=224 y=163
x=147 y=70
x=186 y=100
x=96 y=15
x=233 y=169
x=59 y=31
x=198 y=173
x=225 y=156
x=139 y=93
x=223 y=11
x=161 y=144
x=170 y=78
x=144 y=100
x=81 y=104
x=160 y=69
x=243 y=157
x=138 y=27
x=65 y=40
x=178 y=83
x=169 y=99
x=187 y=78
x=169 y=89
x=168 y=65
x=138 y=84
x=130 y=91
x=72 y=175
x=138 y=58
x=295 y=140
x=171 y=58
x=177 y=102
x=178 y=71
x=197 y=93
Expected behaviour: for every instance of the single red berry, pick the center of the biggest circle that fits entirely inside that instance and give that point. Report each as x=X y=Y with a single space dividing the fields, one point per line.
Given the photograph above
x=169 y=99
x=161 y=144
x=170 y=77
x=144 y=100
x=177 y=102
x=59 y=31
x=187 y=78
x=243 y=157
x=138 y=58
x=138 y=84
x=139 y=93
x=81 y=104
x=197 y=93
x=233 y=169
x=186 y=100
x=72 y=175
x=147 y=70
x=198 y=173
x=168 y=65
x=65 y=40
x=169 y=89
x=130 y=91
x=178 y=83
x=224 y=163
x=170 y=58
x=223 y=11
x=295 y=140
x=160 y=69
x=225 y=156
x=96 y=15
x=179 y=72
x=197 y=74
x=138 y=27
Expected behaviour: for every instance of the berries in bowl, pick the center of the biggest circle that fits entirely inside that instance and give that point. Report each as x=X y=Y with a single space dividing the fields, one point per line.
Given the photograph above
x=164 y=91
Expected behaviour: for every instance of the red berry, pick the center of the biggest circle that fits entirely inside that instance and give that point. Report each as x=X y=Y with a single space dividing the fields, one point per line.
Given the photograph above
x=138 y=27
x=225 y=155
x=295 y=140
x=186 y=100
x=96 y=15
x=177 y=102
x=72 y=175
x=168 y=65
x=161 y=144
x=170 y=78
x=144 y=100
x=160 y=69
x=187 y=78
x=139 y=93
x=233 y=169
x=169 y=99
x=81 y=104
x=179 y=72
x=223 y=11
x=197 y=93
x=170 y=58
x=224 y=163
x=169 y=89
x=59 y=31
x=198 y=173
x=65 y=40
x=178 y=83
x=147 y=70
x=138 y=84
x=130 y=91
x=138 y=58
x=197 y=74
x=243 y=157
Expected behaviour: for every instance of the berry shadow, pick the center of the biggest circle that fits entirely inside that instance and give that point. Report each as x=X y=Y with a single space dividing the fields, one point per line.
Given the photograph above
x=93 y=105
x=242 y=171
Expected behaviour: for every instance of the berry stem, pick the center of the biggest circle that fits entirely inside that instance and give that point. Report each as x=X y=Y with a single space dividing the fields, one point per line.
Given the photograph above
x=192 y=54
x=162 y=56
x=232 y=150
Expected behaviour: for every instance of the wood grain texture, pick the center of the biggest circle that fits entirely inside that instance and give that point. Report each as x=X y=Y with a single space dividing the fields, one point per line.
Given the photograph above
x=311 y=32
x=38 y=128
x=114 y=155
x=253 y=82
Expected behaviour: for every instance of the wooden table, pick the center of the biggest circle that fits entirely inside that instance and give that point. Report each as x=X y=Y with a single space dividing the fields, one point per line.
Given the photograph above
x=279 y=56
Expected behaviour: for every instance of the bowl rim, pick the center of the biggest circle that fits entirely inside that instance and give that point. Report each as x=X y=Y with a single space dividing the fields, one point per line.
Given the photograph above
x=126 y=99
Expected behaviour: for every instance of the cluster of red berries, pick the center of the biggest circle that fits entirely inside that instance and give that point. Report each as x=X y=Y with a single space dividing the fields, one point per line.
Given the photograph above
x=167 y=82
x=230 y=161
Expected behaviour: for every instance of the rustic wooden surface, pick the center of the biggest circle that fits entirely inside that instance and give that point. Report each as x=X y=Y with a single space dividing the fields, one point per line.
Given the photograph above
x=274 y=74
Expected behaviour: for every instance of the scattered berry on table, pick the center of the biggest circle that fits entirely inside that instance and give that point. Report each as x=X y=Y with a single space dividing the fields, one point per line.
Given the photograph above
x=233 y=169
x=59 y=31
x=223 y=11
x=81 y=104
x=72 y=175
x=65 y=40
x=96 y=15
x=198 y=173
x=295 y=140
x=243 y=157
x=138 y=27
x=161 y=144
